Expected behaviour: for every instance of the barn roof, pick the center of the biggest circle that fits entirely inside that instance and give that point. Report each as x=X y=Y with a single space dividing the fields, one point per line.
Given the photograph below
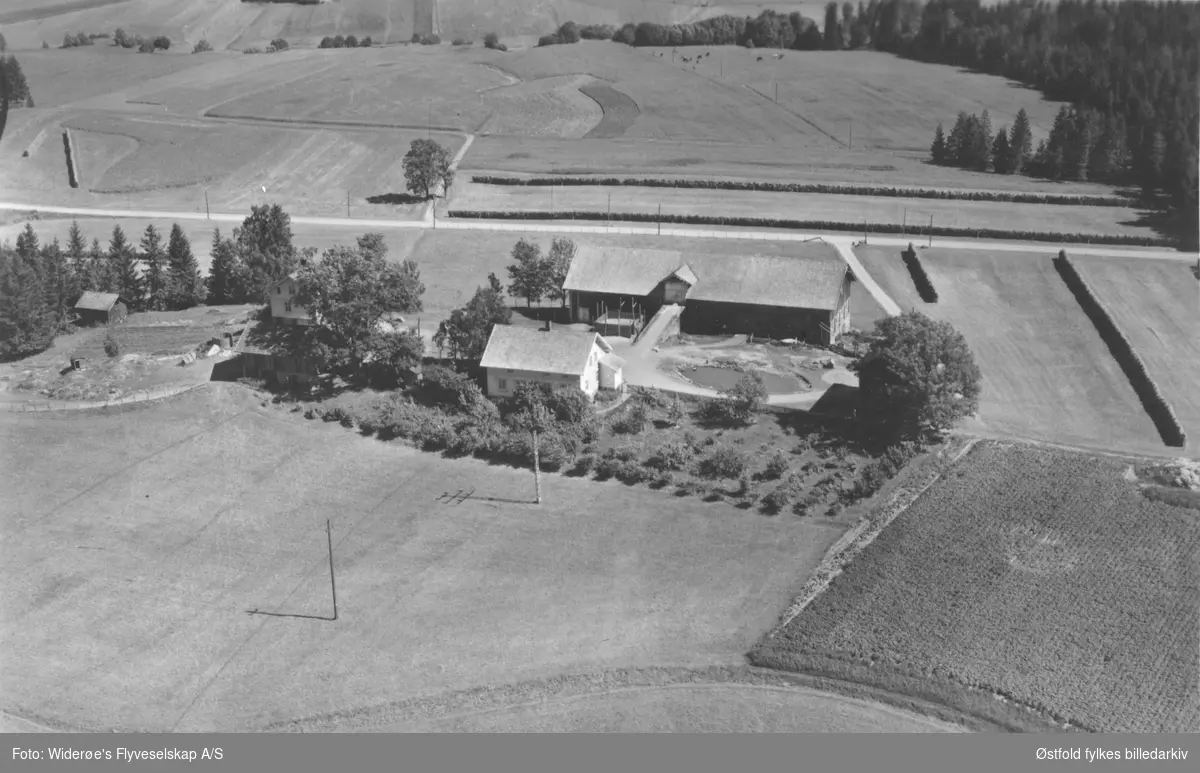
x=562 y=352
x=94 y=301
x=811 y=279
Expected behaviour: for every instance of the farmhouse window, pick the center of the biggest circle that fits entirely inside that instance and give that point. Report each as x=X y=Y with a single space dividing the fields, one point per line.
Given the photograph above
x=502 y=383
x=287 y=305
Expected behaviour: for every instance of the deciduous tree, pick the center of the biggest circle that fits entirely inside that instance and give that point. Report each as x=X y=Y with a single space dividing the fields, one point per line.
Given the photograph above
x=426 y=168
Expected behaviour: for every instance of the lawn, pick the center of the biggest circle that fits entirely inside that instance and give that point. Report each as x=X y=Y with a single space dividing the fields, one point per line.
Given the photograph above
x=138 y=541
x=1046 y=372
x=803 y=206
x=1154 y=303
x=1041 y=576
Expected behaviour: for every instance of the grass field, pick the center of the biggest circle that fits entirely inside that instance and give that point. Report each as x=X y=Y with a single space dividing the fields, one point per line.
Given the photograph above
x=803 y=206
x=1154 y=303
x=138 y=541
x=1043 y=577
x=1046 y=372
x=551 y=107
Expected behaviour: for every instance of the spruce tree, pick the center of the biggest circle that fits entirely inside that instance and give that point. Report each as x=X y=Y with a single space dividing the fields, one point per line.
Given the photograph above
x=81 y=279
x=981 y=155
x=1020 y=143
x=155 y=278
x=56 y=281
x=99 y=271
x=958 y=138
x=1000 y=152
x=184 y=280
x=28 y=248
x=26 y=325
x=937 y=151
x=224 y=272
x=124 y=267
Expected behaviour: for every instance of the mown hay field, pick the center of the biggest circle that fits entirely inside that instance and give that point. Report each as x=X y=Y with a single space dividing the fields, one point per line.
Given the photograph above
x=1041 y=576
x=1155 y=302
x=137 y=542
x=1047 y=374
x=551 y=107
x=867 y=210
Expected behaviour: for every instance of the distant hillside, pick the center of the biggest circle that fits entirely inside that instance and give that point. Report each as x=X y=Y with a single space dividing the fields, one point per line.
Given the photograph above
x=234 y=24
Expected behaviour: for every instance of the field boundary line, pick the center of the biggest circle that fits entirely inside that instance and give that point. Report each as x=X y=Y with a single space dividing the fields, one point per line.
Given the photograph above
x=853 y=542
x=140 y=396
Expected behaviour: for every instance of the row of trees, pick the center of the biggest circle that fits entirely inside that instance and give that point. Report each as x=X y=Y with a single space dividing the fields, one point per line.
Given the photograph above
x=82 y=39
x=1083 y=145
x=534 y=275
x=143 y=45
x=40 y=283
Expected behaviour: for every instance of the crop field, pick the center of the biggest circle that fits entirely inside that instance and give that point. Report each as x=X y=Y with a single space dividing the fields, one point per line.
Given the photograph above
x=131 y=613
x=410 y=86
x=1046 y=372
x=889 y=103
x=551 y=107
x=807 y=206
x=1154 y=303
x=1041 y=576
x=59 y=77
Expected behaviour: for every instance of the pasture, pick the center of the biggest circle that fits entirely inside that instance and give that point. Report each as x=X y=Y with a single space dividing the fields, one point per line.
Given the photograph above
x=1154 y=303
x=140 y=540
x=868 y=210
x=1016 y=540
x=1047 y=374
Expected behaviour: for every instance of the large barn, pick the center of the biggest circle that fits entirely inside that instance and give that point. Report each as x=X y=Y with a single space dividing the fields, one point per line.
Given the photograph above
x=805 y=296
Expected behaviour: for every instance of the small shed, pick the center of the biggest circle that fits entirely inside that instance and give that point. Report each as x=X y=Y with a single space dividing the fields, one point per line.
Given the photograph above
x=612 y=372
x=95 y=308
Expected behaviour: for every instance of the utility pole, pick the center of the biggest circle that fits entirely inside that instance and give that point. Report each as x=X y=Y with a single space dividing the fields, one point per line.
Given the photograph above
x=537 y=471
x=864 y=230
x=904 y=223
x=332 y=582
x=347 y=204
x=931 y=230
x=207 y=214
x=660 y=219
x=777 y=92
x=851 y=144
x=608 y=217
x=428 y=118
x=551 y=198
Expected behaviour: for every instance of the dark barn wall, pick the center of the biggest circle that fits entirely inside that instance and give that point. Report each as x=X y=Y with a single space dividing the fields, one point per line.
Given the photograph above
x=709 y=318
x=647 y=305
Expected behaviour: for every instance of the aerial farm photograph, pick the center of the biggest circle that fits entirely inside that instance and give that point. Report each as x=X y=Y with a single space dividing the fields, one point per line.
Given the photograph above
x=599 y=366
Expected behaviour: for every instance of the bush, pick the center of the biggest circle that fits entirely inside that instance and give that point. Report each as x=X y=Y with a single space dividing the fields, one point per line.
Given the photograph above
x=607 y=468
x=351 y=41
x=777 y=466
x=1175 y=497
x=252 y=50
x=112 y=344
x=201 y=47
x=570 y=406
x=445 y=386
x=460 y=42
x=164 y=42
x=430 y=40
x=416 y=37
x=923 y=283
x=671 y=456
x=280 y=44
x=365 y=42
x=690 y=488
x=146 y=47
x=632 y=472
x=723 y=462
x=326 y=42
x=584 y=464
x=491 y=40
x=632 y=421
x=338 y=41
x=1160 y=411
x=776 y=499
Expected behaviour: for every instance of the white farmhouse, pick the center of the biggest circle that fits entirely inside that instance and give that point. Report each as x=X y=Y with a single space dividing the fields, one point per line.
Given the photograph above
x=560 y=358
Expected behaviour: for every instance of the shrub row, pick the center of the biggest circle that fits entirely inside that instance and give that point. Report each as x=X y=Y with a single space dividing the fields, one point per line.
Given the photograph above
x=350 y=41
x=571 y=32
x=71 y=176
x=844 y=190
x=82 y=39
x=817 y=225
x=1123 y=352
x=921 y=279
x=426 y=40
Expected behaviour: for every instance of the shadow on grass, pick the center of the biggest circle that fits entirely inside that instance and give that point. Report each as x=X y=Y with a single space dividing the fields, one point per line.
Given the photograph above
x=1168 y=225
x=395 y=198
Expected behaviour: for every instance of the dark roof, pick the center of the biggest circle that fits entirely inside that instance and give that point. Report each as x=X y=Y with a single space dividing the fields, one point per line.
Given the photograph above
x=94 y=301
x=538 y=350
x=809 y=280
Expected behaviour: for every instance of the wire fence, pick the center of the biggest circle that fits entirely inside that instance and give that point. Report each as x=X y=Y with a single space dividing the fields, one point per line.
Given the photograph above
x=139 y=396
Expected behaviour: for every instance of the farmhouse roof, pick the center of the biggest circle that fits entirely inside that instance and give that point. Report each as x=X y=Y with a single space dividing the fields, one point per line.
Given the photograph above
x=94 y=301
x=562 y=352
x=612 y=361
x=811 y=279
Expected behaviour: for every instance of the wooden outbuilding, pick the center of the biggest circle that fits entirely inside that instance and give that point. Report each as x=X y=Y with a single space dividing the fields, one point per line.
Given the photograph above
x=95 y=308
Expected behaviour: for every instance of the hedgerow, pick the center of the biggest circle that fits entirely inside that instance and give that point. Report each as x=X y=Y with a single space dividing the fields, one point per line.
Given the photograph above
x=1156 y=406
x=845 y=190
x=921 y=279
x=818 y=225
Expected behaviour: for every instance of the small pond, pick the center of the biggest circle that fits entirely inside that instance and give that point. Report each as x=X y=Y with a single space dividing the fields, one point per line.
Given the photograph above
x=725 y=378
